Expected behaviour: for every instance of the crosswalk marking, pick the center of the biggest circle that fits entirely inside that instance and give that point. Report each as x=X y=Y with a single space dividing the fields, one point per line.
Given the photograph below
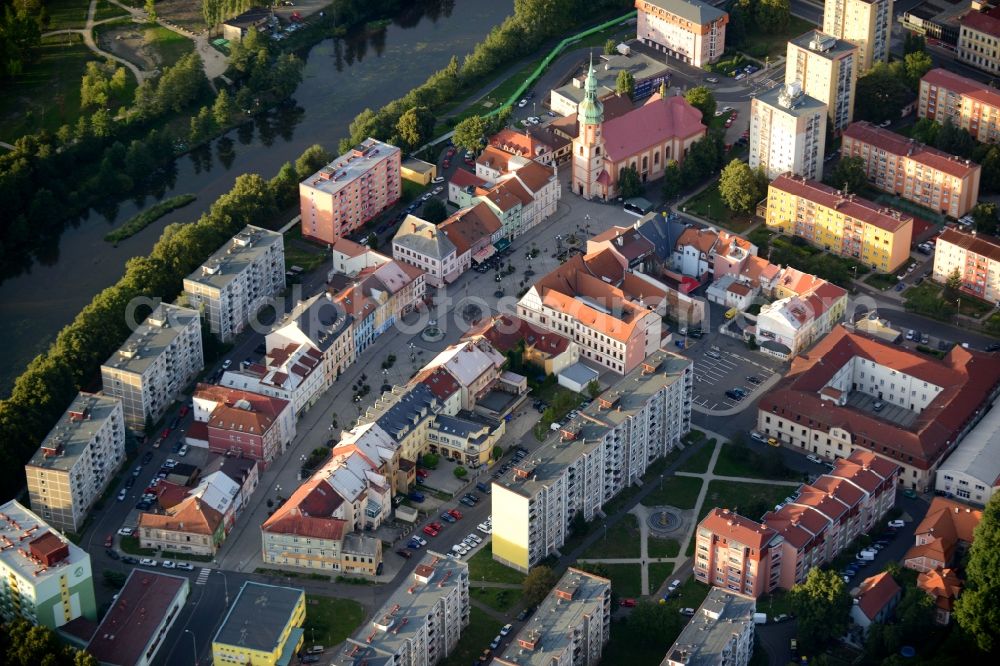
x=203 y=576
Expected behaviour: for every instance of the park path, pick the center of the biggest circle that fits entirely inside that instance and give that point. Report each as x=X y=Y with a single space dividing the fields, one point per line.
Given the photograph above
x=88 y=38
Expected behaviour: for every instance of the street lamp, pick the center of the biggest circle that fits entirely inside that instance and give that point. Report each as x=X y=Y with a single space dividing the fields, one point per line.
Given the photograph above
x=225 y=583
x=194 y=646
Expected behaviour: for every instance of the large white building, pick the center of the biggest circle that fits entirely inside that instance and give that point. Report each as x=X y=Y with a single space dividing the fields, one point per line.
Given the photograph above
x=788 y=132
x=44 y=577
x=77 y=460
x=976 y=257
x=866 y=23
x=238 y=280
x=161 y=357
x=592 y=458
x=689 y=30
x=720 y=633
x=424 y=245
x=971 y=473
x=420 y=624
x=571 y=626
x=293 y=371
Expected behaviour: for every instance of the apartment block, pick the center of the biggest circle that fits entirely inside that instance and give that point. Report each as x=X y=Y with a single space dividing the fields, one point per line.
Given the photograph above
x=421 y=622
x=865 y=23
x=851 y=392
x=788 y=132
x=976 y=258
x=839 y=223
x=753 y=557
x=77 y=460
x=969 y=104
x=238 y=280
x=354 y=188
x=571 y=626
x=689 y=30
x=263 y=626
x=979 y=39
x=320 y=324
x=721 y=633
x=972 y=472
x=827 y=70
x=914 y=171
x=44 y=577
x=593 y=457
x=241 y=423
x=161 y=357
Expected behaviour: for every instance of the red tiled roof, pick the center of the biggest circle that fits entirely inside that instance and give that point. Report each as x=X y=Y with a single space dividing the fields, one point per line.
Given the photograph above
x=852 y=206
x=985 y=22
x=307 y=513
x=966 y=377
x=702 y=239
x=190 y=516
x=875 y=593
x=505 y=332
x=494 y=158
x=734 y=527
x=739 y=289
x=470 y=226
x=864 y=132
x=534 y=175
x=981 y=244
x=943 y=584
x=441 y=383
x=964 y=86
x=650 y=125
x=348 y=247
x=519 y=143
x=464 y=178
x=950 y=520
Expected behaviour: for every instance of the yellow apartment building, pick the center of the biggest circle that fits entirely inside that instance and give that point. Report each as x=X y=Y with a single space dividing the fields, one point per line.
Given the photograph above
x=839 y=223
x=263 y=626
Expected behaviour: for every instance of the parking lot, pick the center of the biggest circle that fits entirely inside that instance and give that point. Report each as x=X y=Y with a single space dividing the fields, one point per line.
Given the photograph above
x=722 y=364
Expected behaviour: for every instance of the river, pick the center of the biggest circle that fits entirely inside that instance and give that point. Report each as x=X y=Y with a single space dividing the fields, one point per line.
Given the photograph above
x=340 y=79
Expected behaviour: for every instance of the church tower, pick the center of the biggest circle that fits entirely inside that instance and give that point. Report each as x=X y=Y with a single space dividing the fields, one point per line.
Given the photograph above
x=590 y=179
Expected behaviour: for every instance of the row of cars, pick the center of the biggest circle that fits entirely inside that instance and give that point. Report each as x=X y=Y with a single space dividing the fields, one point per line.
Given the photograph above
x=869 y=554
x=520 y=453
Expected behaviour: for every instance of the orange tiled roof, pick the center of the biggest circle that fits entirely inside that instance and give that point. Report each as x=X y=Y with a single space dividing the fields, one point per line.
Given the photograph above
x=852 y=206
x=875 y=593
x=980 y=244
x=863 y=132
x=190 y=516
x=942 y=584
x=734 y=527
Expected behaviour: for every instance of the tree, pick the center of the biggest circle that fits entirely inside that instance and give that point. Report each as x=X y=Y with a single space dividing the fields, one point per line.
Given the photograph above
x=821 y=604
x=739 y=187
x=150 y=8
x=434 y=211
x=953 y=285
x=593 y=389
x=986 y=215
x=223 y=109
x=881 y=93
x=496 y=453
x=430 y=460
x=672 y=180
x=953 y=139
x=989 y=160
x=649 y=622
x=773 y=15
x=912 y=43
x=925 y=130
x=849 y=175
x=415 y=127
x=917 y=64
x=977 y=610
x=537 y=584
x=629 y=183
x=625 y=84
x=469 y=133
x=460 y=472
x=610 y=47
x=95 y=86
x=702 y=99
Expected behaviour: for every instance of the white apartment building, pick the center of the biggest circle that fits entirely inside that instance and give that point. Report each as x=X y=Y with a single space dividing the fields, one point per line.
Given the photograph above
x=976 y=257
x=238 y=280
x=792 y=324
x=971 y=473
x=720 y=632
x=571 y=626
x=422 y=244
x=866 y=23
x=597 y=454
x=320 y=324
x=161 y=357
x=689 y=30
x=292 y=372
x=44 y=577
x=827 y=70
x=77 y=460
x=788 y=132
x=420 y=624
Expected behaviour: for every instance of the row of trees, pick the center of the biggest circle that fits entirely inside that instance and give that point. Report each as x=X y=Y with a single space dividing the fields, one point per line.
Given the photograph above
x=749 y=16
x=532 y=23
x=51 y=380
x=25 y=644
x=21 y=26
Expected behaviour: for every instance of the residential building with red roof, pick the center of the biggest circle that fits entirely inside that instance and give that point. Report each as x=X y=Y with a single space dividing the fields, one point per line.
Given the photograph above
x=874 y=600
x=927 y=405
x=473 y=231
x=839 y=222
x=943 y=586
x=549 y=350
x=912 y=170
x=692 y=31
x=943 y=536
x=626 y=242
x=979 y=39
x=292 y=371
x=646 y=139
x=530 y=143
x=975 y=256
x=756 y=557
x=969 y=104
x=614 y=315
x=250 y=425
x=191 y=527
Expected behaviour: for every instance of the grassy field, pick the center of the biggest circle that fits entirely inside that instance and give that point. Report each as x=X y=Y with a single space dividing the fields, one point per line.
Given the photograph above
x=496 y=598
x=776 y=44
x=330 y=621
x=104 y=10
x=168 y=45
x=751 y=500
x=742 y=461
x=658 y=573
x=882 y=281
x=698 y=463
x=483 y=567
x=626 y=579
x=67 y=14
x=662 y=547
x=678 y=491
x=622 y=540
x=709 y=205
x=481 y=630
x=130 y=545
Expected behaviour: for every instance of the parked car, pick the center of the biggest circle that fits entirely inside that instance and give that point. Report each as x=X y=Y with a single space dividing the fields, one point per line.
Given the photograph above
x=128 y=559
x=109 y=541
x=417 y=497
x=404 y=554
x=169 y=564
x=687 y=612
x=711 y=79
x=814 y=458
x=627 y=603
x=187 y=566
x=147 y=562
x=896 y=523
x=506 y=629
x=183 y=451
x=125 y=531
x=456 y=514
x=439 y=179
x=122 y=494
x=878 y=406
x=430 y=531
x=523 y=103
x=447 y=517
x=495 y=643
x=113 y=554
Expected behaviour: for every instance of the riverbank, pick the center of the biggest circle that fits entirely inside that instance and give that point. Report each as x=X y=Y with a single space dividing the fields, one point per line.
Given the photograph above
x=147 y=217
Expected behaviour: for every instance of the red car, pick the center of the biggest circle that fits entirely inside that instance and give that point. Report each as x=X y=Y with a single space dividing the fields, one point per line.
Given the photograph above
x=430 y=531
x=110 y=541
x=469 y=161
x=627 y=603
x=451 y=151
x=183 y=412
x=437 y=526
x=165 y=433
x=456 y=514
x=422 y=473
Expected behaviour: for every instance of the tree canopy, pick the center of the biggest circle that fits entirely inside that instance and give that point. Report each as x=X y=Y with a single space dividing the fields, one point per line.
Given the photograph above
x=849 y=174
x=470 y=133
x=629 y=184
x=415 y=127
x=702 y=99
x=625 y=83
x=978 y=608
x=822 y=606
x=881 y=93
x=537 y=584
x=773 y=15
x=742 y=187
x=434 y=211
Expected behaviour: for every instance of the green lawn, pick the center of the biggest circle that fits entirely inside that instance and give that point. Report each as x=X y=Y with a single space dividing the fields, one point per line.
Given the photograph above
x=626 y=579
x=622 y=540
x=67 y=14
x=47 y=94
x=709 y=205
x=329 y=621
x=496 y=598
x=662 y=547
x=698 y=462
x=167 y=44
x=481 y=630
x=882 y=281
x=483 y=567
x=658 y=573
x=751 y=500
x=760 y=44
x=678 y=491
x=776 y=603
x=106 y=10
x=743 y=461
x=130 y=545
